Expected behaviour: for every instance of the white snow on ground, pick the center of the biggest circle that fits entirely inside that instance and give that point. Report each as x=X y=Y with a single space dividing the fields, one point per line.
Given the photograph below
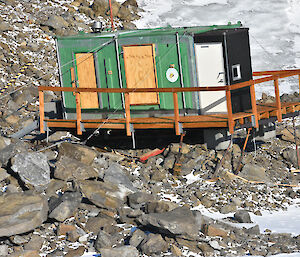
x=274 y=28
x=280 y=221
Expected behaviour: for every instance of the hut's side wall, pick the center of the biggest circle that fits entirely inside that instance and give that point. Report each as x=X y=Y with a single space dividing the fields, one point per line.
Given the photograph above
x=106 y=70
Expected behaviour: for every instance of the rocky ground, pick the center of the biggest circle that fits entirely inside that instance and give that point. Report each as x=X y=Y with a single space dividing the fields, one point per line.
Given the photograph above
x=63 y=198
x=68 y=199
x=27 y=47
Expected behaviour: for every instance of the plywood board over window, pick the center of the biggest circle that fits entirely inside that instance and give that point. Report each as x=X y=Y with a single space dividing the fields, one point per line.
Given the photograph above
x=87 y=79
x=140 y=72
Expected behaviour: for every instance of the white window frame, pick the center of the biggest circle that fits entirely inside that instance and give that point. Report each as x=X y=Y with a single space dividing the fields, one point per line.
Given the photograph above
x=238 y=69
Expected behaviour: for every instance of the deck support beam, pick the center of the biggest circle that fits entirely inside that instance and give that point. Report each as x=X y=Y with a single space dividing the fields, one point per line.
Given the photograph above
x=229 y=111
x=253 y=104
x=278 y=103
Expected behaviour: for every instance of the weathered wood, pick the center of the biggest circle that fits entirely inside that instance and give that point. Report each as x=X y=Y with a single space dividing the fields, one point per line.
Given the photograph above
x=132 y=90
x=78 y=114
x=278 y=103
x=42 y=111
x=229 y=112
x=140 y=72
x=127 y=114
x=87 y=79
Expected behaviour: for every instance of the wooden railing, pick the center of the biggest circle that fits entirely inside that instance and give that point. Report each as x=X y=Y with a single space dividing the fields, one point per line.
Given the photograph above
x=271 y=75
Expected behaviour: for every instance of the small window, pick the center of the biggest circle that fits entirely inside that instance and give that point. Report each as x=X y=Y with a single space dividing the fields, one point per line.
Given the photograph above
x=236 y=72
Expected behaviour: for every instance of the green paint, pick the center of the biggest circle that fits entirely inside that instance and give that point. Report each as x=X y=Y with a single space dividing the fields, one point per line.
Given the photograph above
x=166 y=57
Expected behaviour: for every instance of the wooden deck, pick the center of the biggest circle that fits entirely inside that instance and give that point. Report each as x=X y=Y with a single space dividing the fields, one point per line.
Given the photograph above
x=176 y=121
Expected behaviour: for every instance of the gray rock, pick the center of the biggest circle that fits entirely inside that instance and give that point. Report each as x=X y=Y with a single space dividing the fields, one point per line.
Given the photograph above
x=80 y=153
x=115 y=175
x=3 y=250
x=35 y=243
x=157 y=207
x=11 y=150
x=242 y=216
x=99 y=7
x=124 y=251
x=154 y=244
x=103 y=194
x=21 y=212
x=4 y=142
x=3 y=174
x=56 y=22
x=178 y=222
x=291 y=156
x=137 y=237
x=253 y=230
x=136 y=200
x=4 y=26
x=19 y=240
x=33 y=168
x=254 y=173
x=58 y=135
x=65 y=206
x=103 y=240
x=228 y=208
x=70 y=169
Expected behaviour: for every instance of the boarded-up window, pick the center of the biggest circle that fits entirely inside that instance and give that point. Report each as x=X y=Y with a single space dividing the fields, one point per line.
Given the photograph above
x=87 y=79
x=140 y=73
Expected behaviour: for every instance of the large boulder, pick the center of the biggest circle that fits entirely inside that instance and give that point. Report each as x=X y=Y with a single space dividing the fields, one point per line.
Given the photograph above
x=80 y=153
x=154 y=244
x=4 y=26
x=21 y=212
x=288 y=135
x=291 y=156
x=179 y=222
x=4 y=142
x=116 y=175
x=56 y=22
x=70 y=169
x=103 y=194
x=100 y=7
x=11 y=150
x=254 y=172
x=33 y=168
x=65 y=206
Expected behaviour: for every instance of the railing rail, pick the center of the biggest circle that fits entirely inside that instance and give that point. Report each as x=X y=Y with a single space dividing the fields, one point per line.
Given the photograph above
x=271 y=76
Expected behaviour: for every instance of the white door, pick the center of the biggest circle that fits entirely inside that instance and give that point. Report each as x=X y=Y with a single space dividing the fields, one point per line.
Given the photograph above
x=210 y=72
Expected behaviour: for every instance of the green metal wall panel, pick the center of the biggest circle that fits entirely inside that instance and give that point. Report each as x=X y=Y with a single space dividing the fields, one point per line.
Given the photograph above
x=106 y=64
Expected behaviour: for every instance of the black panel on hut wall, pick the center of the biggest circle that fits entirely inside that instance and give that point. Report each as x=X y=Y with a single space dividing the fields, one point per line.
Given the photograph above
x=239 y=68
x=237 y=61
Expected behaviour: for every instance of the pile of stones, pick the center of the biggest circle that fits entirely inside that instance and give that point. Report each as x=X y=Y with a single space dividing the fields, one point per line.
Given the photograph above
x=72 y=199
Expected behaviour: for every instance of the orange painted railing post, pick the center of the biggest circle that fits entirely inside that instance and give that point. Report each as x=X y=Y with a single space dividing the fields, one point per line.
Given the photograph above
x=278 y=103
x=176 y=113
x=253 y=104
x=127 y=114
x=229 y=111
x=42 y=111
x=78 y=113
